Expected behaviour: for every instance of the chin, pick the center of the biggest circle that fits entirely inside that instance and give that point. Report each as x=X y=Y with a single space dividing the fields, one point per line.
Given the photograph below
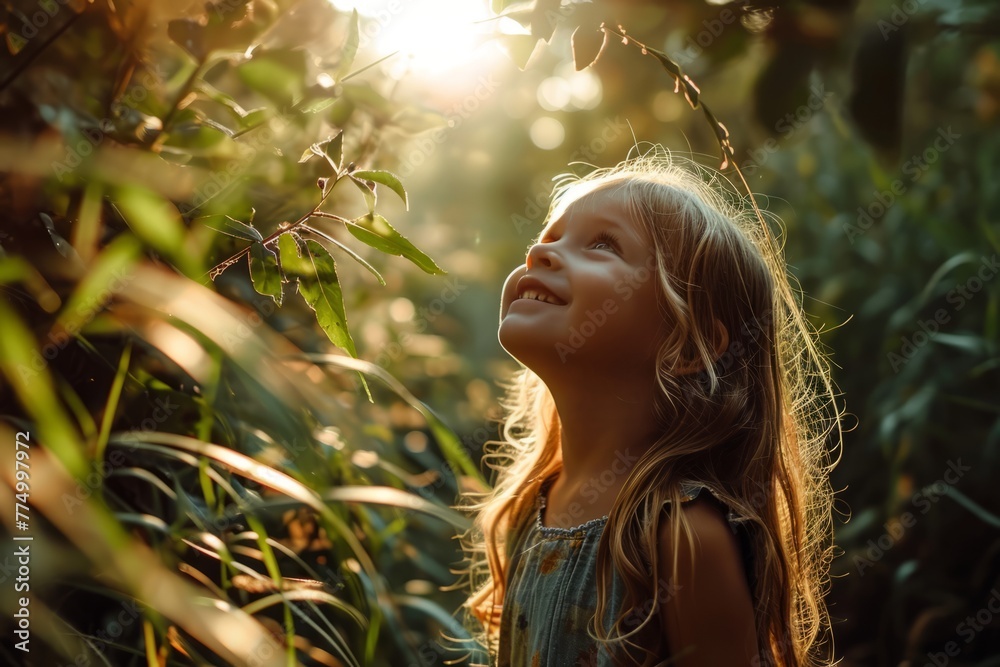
x=529 y=349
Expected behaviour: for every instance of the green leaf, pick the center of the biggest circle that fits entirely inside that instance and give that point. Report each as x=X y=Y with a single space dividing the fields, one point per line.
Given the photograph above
x=231 y=227
x=158 y=224
x=14 y=268
x=111 y=271
x=255 y=117
x=455 y=452
x=278 y=74
x=316 y=273
x=367 y=190
x=358 y=258
x=321 y=104
x=386 y=178
x=221 y=27
x=32 y=385
x=264 y=272
x=350 y=51
x=981 y=512
x=376 y=231
x=216 y=95
x=334 y=151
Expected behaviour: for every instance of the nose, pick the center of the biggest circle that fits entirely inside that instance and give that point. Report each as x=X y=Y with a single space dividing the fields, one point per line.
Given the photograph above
x=544 y=254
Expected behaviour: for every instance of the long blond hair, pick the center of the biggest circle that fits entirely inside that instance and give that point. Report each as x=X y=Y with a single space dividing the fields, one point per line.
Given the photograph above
x=753 y=425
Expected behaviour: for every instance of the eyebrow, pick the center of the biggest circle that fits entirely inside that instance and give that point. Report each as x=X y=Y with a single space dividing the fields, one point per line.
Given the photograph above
x=606 y=222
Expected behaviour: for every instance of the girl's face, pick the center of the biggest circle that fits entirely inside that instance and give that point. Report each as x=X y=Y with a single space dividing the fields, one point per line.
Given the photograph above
x=594 y=259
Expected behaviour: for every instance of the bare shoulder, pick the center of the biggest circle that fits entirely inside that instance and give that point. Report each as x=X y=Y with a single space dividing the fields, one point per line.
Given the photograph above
x=708 y=618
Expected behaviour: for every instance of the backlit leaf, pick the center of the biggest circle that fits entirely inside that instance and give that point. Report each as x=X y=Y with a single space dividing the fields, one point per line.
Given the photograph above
x=376 y=231
x=277 y=75
x=350 y=46
x=386 y=178
x=334 y=151
x=231 y=227
x=368 y=190
x=158 y=224
x=264 y=272
x=316 y=273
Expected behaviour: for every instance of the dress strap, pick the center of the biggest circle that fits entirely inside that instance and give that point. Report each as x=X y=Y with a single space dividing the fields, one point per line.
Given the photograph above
x=740 y=525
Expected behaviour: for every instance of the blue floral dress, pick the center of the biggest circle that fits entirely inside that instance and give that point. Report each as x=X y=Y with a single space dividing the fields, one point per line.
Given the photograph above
x=552 y=594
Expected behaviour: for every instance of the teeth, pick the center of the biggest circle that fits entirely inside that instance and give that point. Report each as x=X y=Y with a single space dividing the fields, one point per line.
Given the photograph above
x=532 y=294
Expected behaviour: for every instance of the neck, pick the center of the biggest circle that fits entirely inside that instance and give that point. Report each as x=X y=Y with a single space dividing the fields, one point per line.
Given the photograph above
x=606 y=427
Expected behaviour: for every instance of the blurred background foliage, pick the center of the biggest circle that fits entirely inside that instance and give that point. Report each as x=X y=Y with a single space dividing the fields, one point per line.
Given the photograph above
x=223 y=473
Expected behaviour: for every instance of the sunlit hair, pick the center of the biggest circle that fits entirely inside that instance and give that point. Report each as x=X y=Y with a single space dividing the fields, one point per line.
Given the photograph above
x=756 y=425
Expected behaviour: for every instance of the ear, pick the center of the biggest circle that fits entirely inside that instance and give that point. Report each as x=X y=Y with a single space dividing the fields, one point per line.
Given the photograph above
x=720 y=343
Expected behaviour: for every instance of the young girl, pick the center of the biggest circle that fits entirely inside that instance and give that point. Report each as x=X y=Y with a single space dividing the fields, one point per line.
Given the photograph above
x=666 y=363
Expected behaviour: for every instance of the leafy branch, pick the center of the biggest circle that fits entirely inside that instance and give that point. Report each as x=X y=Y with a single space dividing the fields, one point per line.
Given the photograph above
x=587 y=51
x=285 y=256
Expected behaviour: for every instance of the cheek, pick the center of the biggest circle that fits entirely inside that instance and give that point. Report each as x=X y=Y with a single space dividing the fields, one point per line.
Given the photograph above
x=510 y=284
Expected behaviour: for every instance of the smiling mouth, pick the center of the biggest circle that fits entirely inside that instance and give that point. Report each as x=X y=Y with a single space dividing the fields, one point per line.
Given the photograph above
x=534 y=295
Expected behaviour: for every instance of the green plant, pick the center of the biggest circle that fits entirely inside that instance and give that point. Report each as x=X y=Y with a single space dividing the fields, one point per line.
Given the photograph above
x=202 y=488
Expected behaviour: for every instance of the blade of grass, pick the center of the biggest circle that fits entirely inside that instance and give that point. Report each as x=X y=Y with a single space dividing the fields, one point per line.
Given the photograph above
x=129 y=564
x=36 y=391
x=111 y=405
x=150 y=642
x=274 y=570
x=279 y=481
x=449 y=442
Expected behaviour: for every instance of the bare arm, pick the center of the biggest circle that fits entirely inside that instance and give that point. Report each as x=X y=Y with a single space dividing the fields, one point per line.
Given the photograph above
x=708 y=620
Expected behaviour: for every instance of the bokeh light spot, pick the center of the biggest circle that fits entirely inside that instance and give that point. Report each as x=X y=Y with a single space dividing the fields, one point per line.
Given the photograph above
x=547 y=133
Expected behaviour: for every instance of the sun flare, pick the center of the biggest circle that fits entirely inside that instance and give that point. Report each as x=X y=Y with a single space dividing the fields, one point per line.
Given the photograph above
x=432 y=36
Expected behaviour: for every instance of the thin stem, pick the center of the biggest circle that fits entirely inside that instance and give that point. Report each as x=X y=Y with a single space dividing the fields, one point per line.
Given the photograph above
x=217 y=270
x=16 y=72
x=185 y=89
x=724 y=143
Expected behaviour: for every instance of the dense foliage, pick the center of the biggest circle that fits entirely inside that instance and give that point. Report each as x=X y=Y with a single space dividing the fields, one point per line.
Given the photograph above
x=201 y=490
x=214 y=477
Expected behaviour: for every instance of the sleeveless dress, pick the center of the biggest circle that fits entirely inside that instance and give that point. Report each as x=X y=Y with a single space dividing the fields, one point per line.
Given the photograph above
x=552 y=593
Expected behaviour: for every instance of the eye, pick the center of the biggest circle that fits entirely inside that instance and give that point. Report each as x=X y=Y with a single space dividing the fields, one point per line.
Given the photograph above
x=608 y=238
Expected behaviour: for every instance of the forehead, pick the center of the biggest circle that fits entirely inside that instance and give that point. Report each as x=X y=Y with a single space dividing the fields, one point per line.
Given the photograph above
x=604 y=207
